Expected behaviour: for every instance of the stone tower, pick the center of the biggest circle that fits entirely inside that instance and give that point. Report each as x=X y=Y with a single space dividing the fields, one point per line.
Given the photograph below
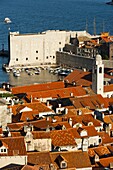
x=98 y=75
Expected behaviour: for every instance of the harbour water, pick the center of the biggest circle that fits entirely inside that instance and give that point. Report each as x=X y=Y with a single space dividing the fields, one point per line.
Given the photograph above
x=32 y=16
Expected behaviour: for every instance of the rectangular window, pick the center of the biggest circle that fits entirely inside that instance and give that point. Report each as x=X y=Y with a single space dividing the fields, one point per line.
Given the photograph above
x=16 y=59
x=36 y=51
x=26 y=58
x=36 y=58
x=4 y=150
x=64 y=165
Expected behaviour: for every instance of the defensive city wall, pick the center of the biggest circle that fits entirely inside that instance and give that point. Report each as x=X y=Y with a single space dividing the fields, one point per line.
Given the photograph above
x=67 y=59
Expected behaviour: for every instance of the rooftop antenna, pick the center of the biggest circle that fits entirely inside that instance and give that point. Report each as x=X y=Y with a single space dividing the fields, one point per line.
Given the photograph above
x=94 y=26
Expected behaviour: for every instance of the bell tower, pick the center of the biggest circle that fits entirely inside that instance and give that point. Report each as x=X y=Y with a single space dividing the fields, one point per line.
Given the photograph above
x=98 y=75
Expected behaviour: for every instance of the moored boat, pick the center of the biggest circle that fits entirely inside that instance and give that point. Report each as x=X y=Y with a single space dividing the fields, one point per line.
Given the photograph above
x=16 y=74
x=7 y=20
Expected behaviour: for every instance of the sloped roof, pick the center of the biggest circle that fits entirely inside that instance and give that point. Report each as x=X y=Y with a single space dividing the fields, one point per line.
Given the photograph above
x=37 y=87
x=42 y=124
x=73 y=159
x=106 y=139
x=16 y=145
x=79 y=77
x=30 y=115
x=28 y=167
x=108 y=88
x=105 y=162
x=91 y=101
x=101 y=150
x=62 y=138
x=91 y=131
x=85 y=119
x=35 y=106
x=76 y=159
x=55 y=93
x=38 y=158
x=40 y=134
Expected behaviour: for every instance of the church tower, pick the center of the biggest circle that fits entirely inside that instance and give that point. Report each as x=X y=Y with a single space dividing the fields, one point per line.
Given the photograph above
x=98 y=75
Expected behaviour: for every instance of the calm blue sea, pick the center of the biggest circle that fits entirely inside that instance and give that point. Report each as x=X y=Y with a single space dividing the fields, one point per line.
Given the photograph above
x=31 y=16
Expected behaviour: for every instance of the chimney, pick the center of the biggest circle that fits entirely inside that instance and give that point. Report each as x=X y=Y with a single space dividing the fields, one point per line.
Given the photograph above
x=47 y=103
x=70 y=121
x=66 y=110
x=71 y=94
x=59 y=105
x=31 y=99
x=79 y=112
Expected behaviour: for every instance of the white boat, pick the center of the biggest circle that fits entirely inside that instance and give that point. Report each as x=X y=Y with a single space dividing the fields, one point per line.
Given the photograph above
x=7 y=20
x=16 y=74
x=7 y=70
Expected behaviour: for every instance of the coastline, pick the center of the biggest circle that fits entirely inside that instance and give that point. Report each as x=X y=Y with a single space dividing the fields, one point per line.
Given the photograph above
x=109 y=3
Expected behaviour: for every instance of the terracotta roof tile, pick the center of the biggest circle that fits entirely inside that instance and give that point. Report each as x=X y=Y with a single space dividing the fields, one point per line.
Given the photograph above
x=62 y=138
x=102 y=150
x=91 y=152
x=37 y=87
x=40 y=124
x=77 y=75
x=56 y=93
x=30 y=115
x=38 y=158
x=91 y=131
x=66 y=124
x=105 y=162
x=85 y=119
x=16 y=134
x=73 y=159
x=15 y=126
x=108 y=88
x=106 y=139
x=40 y=134
x=110 y=148
x=108 y=119
x=28 y=167
x=35 y=106
x=16 y=145
x=89 y=101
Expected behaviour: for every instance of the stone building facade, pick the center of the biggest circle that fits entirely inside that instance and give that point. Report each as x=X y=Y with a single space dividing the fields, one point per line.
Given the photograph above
x=34 y=49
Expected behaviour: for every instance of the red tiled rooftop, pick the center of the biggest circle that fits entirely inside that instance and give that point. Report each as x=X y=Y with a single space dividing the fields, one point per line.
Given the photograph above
x=39 y=107
x=16 y=145
x=105 y=162
x=76 y=77
x=91 y=131
x=42 y=124
x=75 y=160
x=89 y=101
x=37 y=87
x=106 y=139
x=38 y=158
x=62 y=138
x=40 y=134
x=102 y=150
x=108 y=88
x=63 y=93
